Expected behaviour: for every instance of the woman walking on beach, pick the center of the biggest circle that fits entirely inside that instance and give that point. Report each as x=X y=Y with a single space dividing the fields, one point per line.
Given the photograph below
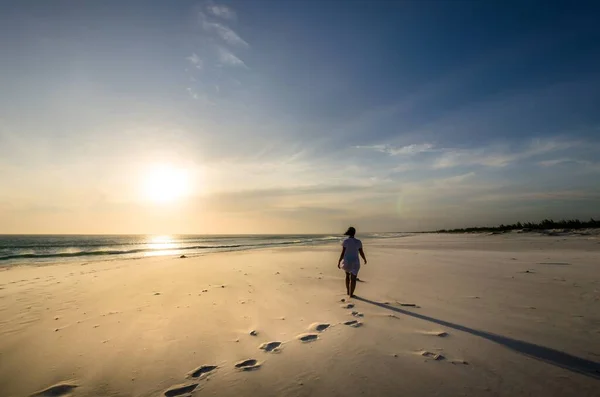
x=349 y=259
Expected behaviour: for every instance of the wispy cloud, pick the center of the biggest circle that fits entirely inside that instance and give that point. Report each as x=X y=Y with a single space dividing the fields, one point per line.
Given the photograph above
x=464 y=157
x=221 y=11
x=220 y=46
x=451 y=185
x=583 y=165
x=538 y=196
x=192 y=93
x=226 y=34
x=498 y=156
x=553 y=162
x=404 y=167
x=228 y=58
x=490 y=156
x=402 y=150
x=195 y=60
x=456 y=179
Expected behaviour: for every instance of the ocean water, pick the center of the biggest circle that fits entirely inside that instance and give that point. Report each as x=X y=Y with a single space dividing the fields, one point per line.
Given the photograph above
x=46 y=249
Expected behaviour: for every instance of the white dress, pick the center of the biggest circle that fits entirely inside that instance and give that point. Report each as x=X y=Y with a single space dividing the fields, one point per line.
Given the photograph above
x=351 y=261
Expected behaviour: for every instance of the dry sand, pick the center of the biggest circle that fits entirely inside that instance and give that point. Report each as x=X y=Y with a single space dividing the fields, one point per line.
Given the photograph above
x=449 y=315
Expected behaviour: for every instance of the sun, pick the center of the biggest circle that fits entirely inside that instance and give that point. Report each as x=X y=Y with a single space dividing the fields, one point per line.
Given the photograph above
x=165 y=183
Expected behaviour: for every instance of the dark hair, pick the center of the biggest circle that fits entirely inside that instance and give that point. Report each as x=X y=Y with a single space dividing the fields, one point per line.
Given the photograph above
x=350 y=232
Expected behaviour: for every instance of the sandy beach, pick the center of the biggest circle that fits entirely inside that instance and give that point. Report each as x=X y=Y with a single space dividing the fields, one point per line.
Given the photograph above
x=448 y=315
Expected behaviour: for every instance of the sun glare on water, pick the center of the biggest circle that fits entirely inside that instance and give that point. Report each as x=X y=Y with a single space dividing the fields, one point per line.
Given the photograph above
x=165 y=183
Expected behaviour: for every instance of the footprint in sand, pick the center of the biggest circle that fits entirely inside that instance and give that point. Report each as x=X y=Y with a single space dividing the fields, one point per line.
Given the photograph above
x=353 y=323
x=59 y=389
x=201 y=371
x=407 y=304
x=248 y=365
x=357 y=314
x=319 y=327
x=459 y=362
x=434 y=356
x=348 y=306
x=308 y=337
x=440 y=334
x=270 y=346
x=180 y=390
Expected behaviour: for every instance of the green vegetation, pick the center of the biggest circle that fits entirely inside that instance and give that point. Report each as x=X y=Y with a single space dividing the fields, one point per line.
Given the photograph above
x=529 y=226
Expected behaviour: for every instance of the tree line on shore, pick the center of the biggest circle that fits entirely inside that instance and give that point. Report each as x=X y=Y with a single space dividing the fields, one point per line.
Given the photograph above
x=530 y=226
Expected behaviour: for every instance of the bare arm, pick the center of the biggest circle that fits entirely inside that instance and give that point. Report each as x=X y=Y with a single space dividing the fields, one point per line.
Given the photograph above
x=362 y=253
x=341 y=256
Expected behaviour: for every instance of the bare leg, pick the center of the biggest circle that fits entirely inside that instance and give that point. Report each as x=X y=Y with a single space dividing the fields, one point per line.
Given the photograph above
x=352 y=285
x=348 y=283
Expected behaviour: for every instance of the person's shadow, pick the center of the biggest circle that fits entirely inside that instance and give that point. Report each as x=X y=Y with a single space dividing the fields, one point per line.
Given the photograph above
x=546 y=354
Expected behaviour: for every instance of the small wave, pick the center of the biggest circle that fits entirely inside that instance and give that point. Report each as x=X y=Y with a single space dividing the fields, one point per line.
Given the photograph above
x=106 y=252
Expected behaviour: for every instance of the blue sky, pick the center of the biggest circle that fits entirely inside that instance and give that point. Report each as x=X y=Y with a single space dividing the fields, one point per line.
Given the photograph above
x=297 y=116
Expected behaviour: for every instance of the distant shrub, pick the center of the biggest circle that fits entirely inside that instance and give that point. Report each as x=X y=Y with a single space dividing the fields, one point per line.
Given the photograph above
x=546 y=224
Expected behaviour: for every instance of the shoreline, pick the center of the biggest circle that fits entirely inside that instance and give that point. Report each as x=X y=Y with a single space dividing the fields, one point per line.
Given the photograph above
x=55 y=249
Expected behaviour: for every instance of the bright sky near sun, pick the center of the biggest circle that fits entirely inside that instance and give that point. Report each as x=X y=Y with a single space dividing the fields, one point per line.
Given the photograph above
x=296 y=116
